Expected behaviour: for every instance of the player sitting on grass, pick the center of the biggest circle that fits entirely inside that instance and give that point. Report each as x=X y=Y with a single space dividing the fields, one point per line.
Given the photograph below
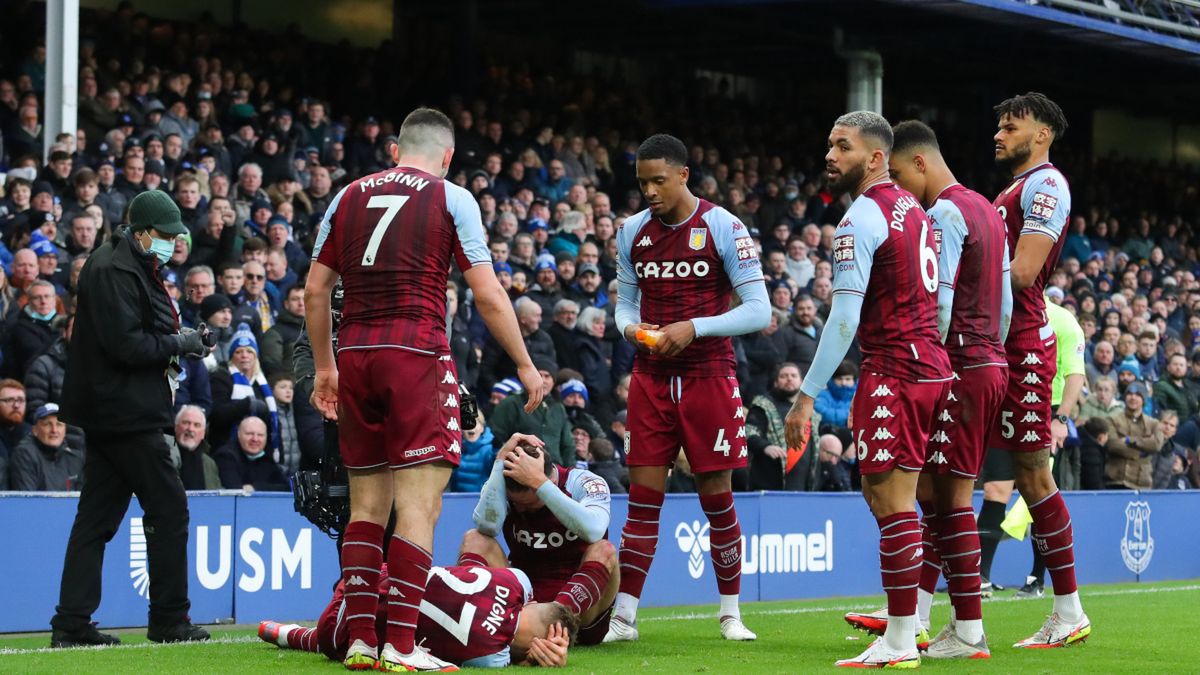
x=555 y=522
x=470 y=616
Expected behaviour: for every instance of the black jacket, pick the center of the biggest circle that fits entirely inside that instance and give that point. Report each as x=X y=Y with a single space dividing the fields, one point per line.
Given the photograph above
x=277 y=344
x=237 y=469
x=123 y=342
x=28 y=339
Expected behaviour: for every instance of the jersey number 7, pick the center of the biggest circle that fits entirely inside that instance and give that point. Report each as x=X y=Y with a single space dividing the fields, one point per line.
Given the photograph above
x=393 y=204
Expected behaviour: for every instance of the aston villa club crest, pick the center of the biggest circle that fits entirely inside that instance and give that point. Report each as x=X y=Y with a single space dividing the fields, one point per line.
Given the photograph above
x=698 y=238
x=1137 y=546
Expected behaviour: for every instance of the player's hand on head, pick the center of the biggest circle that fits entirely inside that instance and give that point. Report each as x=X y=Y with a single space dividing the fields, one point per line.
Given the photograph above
x=325 y=393
x=518 y=440
x=798 y=424
x=524 y=468
x=675 y=338
x=531 y=379
x=550 y=651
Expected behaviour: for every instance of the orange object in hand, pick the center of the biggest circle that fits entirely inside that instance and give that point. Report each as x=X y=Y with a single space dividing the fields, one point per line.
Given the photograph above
x=648 y=337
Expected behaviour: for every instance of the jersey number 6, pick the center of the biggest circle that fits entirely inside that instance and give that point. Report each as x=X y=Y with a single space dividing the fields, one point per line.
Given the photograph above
x=929 y=262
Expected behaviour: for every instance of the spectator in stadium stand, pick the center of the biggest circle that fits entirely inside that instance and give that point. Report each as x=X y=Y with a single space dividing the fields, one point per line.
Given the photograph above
x=575 y=398
x=1134 y=440
x=834 y=402
x=130 y=183
x=1101 y=401
x=496 y=364
x=592 y=351
x=478 y=454
x=280 y=278
x=548 y=422
x=500 y=391
x=1102 y=362
x=603 y=462
x=562 y=332
x=797 y=341
x=1170 y=463
x=772 y=465
x=242 y=391
x=1171 y=391
x=257 y=296
x=762 y=356
x=606 y=408
x=191 y=453
x=44 y=461
x=834 y=470
x=279 y=236
x=13 y=427
x=83 y=239
x=128 y=335
x=245 y=463
x=33 y=331
x=278 y=342
x=293 y=446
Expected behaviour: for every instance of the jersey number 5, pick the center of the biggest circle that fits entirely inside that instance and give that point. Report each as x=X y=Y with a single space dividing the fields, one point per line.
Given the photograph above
x=392 y=203
x=460 y=628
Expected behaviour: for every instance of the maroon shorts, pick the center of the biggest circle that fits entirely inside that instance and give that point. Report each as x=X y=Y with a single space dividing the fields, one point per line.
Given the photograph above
x=1023 y=424
x=893 y=419
x=959 y=441
x=397 y=409
x=703 y=415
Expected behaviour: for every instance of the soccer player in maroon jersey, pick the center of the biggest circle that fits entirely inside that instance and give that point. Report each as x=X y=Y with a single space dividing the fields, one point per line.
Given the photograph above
x=555 y=522
x=472 y=615
x=1035 y=207
x=391 y=237
x=679 y=263
x=885 y=290
x=974 y=308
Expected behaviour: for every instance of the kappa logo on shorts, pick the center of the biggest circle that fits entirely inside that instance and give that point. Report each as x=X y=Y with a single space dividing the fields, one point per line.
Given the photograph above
x=445 y=358
x=940 y=437
x=449 y=378
x=1031 y=360
x=1031 y=417
x=945 y=417
x=882 y=456
x=938 y=458
x=951 y=397
x=737 y=392
x=1031 y=436
x=741 y=433
x=454 y=448
x=882 y=390
x=881 y=413
x=452 y=424
x=451 y=402
x=1031 y=397
x=882 y=434
x=1031 y=378
x=738 y=414
x=419 y=452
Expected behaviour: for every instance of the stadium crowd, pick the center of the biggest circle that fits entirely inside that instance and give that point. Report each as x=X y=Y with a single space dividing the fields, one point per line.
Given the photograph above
x=253 y=153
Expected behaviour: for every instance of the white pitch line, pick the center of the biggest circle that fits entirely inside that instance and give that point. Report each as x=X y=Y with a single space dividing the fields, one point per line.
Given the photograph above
x=139 y=645
x=872 y=606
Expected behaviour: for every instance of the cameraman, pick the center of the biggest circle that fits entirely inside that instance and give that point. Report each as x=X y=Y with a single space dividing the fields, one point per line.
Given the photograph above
x=120 y=370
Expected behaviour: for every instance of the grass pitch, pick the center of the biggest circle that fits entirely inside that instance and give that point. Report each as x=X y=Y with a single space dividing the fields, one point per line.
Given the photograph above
x=1136 y=630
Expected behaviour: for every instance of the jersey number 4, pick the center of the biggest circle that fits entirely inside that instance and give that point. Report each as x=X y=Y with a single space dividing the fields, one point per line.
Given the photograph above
x=393 y=204
x=460 y=628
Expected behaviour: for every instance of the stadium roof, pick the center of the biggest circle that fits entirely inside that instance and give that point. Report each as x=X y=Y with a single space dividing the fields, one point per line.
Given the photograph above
x=1101 y=25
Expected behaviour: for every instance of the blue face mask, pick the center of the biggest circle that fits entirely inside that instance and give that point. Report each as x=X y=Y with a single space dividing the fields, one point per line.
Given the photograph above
x=41 y=317
x=163 y=249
